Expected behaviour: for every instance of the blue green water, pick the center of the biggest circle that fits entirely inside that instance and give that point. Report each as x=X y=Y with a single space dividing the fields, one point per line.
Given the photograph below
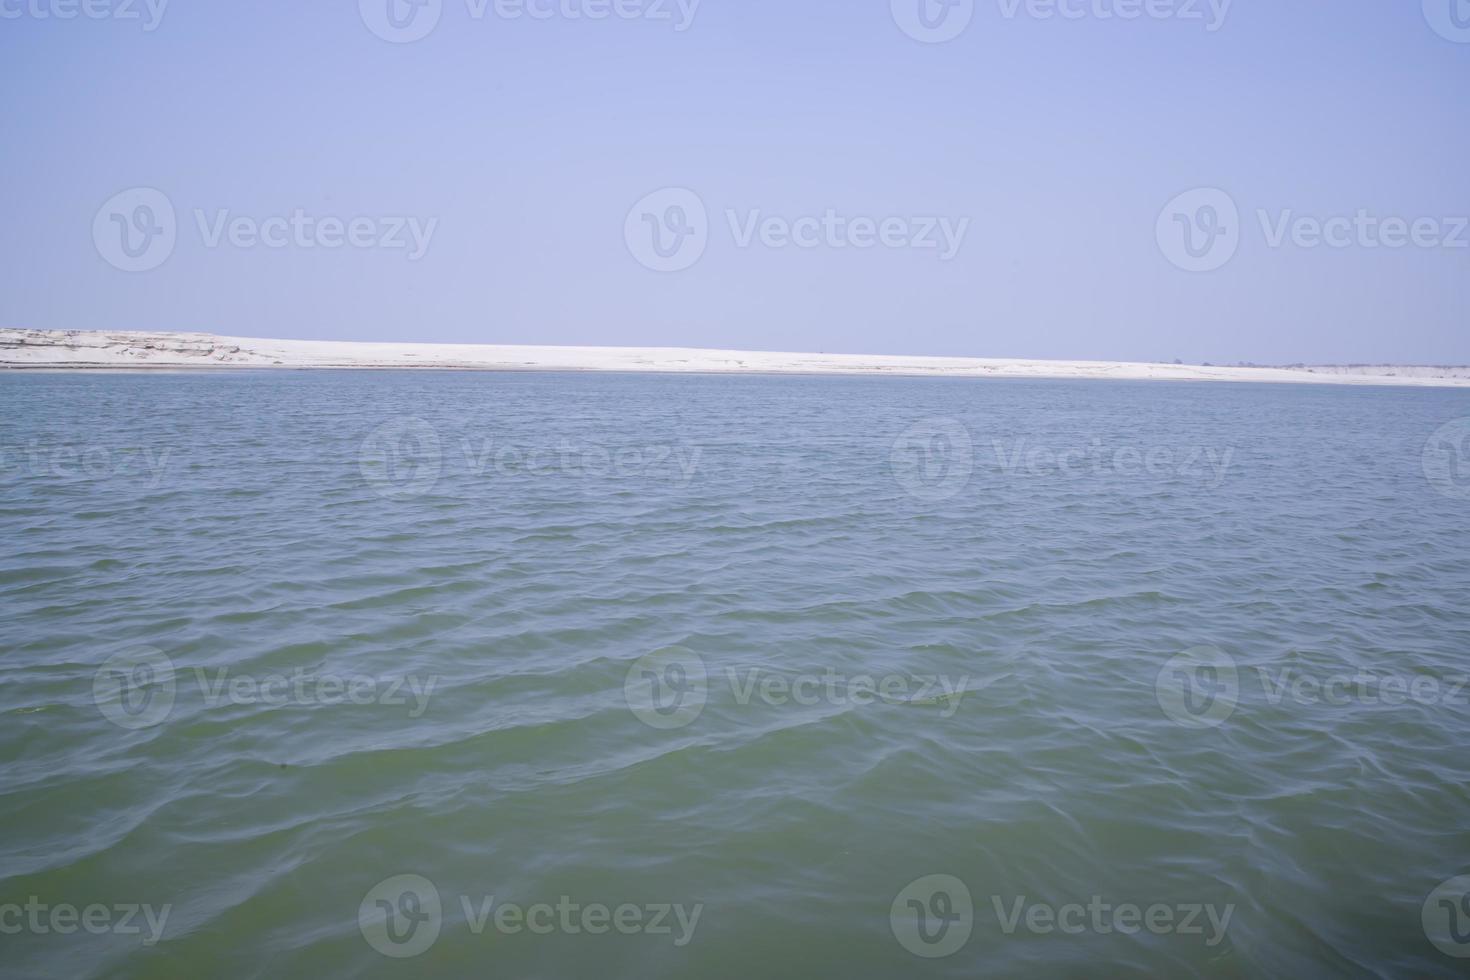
x=418 y=674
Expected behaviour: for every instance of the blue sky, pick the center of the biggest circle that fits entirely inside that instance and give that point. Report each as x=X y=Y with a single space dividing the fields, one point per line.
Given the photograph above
x=1058 y=147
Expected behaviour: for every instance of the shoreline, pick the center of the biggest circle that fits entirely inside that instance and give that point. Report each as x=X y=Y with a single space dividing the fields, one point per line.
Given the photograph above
x=69 y=350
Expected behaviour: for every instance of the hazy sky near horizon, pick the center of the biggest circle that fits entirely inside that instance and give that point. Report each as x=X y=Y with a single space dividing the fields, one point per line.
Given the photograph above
x=330 y=176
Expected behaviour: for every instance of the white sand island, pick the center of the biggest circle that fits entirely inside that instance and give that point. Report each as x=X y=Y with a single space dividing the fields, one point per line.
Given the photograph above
x=108 y=350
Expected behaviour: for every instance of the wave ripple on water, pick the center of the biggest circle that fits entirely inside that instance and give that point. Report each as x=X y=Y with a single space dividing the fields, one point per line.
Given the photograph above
x=501 y=600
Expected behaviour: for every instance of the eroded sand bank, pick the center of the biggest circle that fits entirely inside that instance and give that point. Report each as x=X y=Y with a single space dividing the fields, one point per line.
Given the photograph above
x=57 y=349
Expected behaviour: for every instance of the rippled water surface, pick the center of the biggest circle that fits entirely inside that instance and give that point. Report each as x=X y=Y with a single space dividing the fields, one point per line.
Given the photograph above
x=609 y=644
